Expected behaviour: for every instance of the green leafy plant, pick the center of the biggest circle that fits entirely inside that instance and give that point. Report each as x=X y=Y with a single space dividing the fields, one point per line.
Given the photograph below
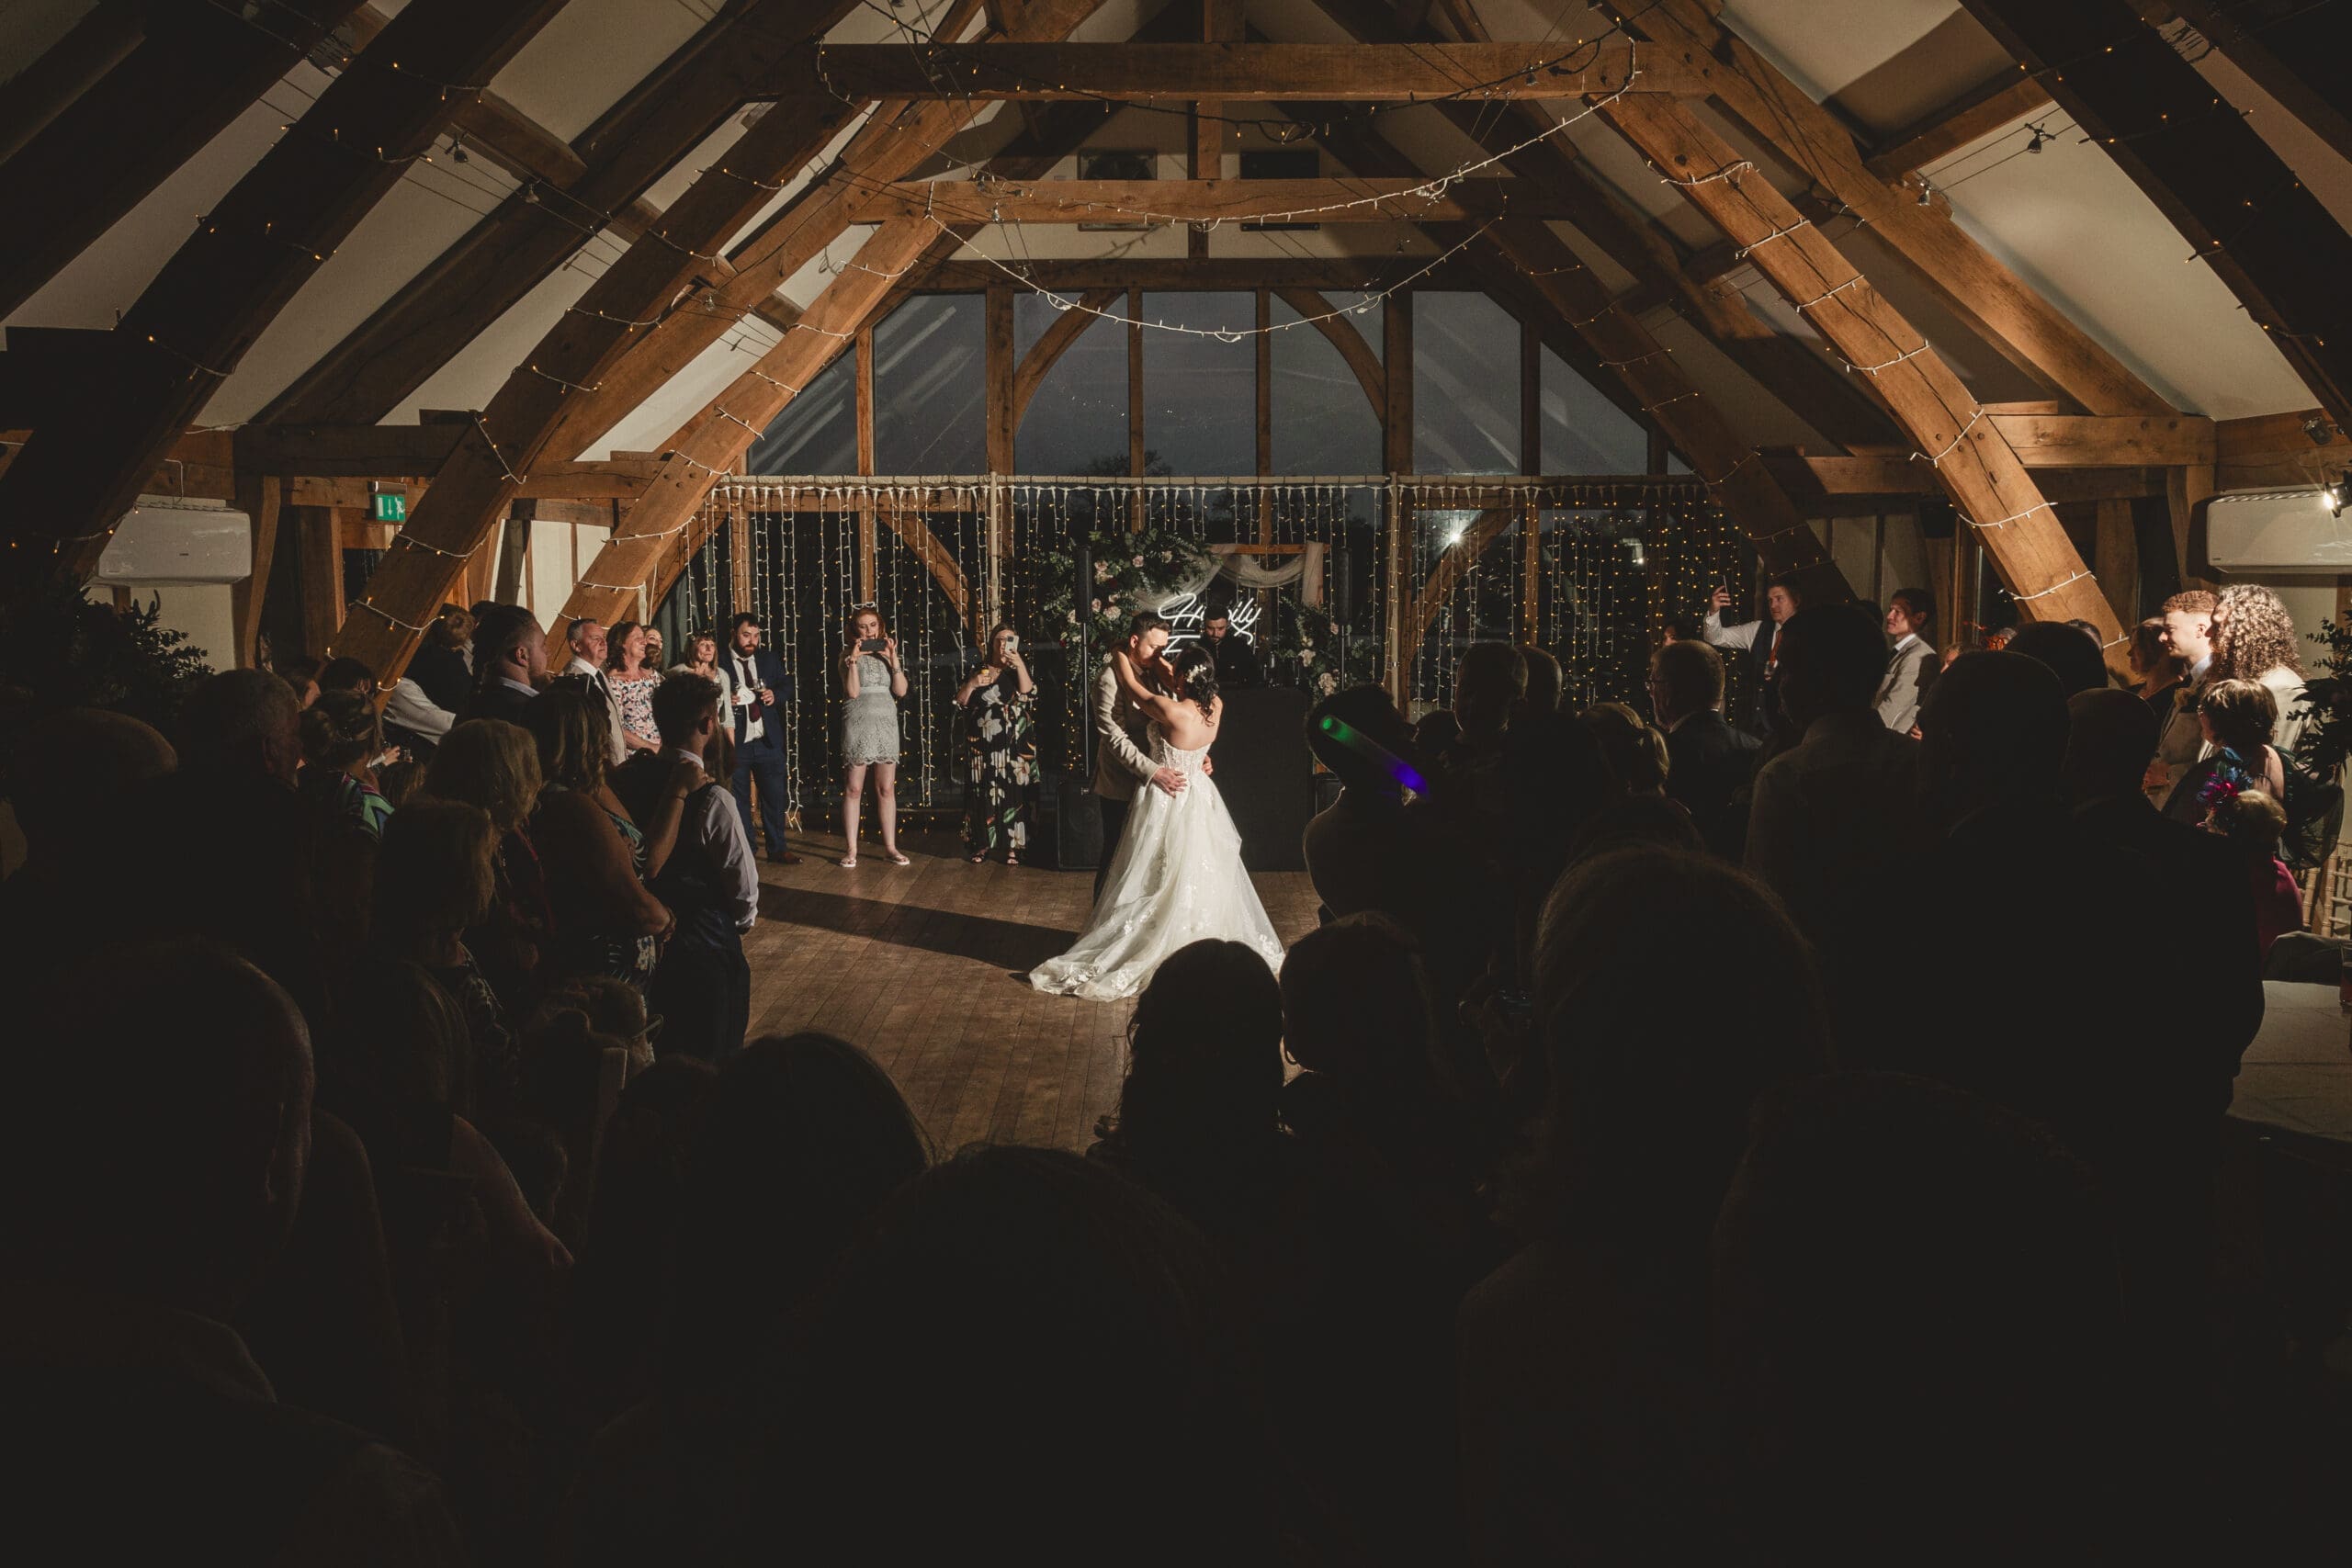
x=59 y=650
x=1131 y=571
x=2326 y=741
x=1302 y=647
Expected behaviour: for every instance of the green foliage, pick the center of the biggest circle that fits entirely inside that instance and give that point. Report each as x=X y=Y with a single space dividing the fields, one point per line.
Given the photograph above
x=1302 y=647
x=59 y=650
x=1132 y=571
x=2327 y=737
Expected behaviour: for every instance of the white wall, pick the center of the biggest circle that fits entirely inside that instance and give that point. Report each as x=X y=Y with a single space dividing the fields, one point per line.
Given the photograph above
x=205 y=610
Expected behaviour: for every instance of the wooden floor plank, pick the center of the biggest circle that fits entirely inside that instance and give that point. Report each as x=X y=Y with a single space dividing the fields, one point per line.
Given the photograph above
x=920 y=965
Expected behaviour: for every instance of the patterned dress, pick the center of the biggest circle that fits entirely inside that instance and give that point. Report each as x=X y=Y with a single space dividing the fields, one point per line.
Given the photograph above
x=870 y=719
x=1001 y=756
x=633 y=694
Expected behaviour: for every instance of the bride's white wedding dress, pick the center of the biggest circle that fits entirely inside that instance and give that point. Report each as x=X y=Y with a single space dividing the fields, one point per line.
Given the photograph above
x=1177 y=879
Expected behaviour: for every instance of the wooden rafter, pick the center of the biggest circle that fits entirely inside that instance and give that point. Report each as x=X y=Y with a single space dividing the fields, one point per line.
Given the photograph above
x=1971 y=459
x=381 y=362
x=1787 y=368
x=1398 y=200
x=257 y=248
x=95 y=45
x=1341 y=333
x=2242 y=210
x=1966 y=280
x=1068 y=328
x=671 y=502
x=491 y=125
x=1975 y=114
x=2290 y=49
x=895 y=139
x=1251 y=71
x=195 y=69
x=1226 y=274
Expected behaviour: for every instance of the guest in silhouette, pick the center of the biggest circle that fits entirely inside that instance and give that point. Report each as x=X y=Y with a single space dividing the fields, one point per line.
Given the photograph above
x=441 y=666
x=73 y=778
x=595 y=855
x=1709 y=762
x=1589 y=1416
x=155 y=1426
x=2072 y=653
x=2156 y=670
x=510 y=664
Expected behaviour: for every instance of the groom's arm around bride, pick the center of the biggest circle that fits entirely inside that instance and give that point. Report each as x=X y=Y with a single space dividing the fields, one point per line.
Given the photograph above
x=1122 y=760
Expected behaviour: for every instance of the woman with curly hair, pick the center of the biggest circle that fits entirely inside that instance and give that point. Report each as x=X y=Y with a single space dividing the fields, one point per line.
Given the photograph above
x=2254 y=639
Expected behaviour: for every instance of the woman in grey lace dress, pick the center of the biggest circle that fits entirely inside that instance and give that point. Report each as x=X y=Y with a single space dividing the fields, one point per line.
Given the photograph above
x=872 y=684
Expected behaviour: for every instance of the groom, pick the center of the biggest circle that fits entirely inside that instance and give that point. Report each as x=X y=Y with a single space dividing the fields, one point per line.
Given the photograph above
x=1123 y=737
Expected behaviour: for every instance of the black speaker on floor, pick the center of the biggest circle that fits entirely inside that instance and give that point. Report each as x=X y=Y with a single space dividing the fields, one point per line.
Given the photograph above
x=1077 y=824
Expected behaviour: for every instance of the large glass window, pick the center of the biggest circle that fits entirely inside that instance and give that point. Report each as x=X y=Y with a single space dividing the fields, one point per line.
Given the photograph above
x=1466 y=384
x=1200 y=393
x=1584 y=433
x=817 y=432
x=1077 y=420
x=930 y=387
x=1323 y=422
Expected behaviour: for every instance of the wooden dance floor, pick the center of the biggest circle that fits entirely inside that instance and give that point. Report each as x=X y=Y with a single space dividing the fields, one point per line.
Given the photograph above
x=916 y=964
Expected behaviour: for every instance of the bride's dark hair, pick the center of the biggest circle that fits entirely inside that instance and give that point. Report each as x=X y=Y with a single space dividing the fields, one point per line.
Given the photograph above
x=1196 y=667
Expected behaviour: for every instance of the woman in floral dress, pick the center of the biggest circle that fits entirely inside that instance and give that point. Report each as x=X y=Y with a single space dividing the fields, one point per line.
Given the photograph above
x=632 y=677
x=1001 y=749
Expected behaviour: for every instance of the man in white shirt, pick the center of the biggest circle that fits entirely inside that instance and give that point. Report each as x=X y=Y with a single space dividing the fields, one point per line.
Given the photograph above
x=758 y=722
x=703 y=988
x=1912 y=667
x=1761 y=640
x=586 y=636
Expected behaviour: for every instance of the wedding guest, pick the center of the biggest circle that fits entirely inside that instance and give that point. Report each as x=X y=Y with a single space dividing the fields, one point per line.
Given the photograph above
x=703 y=986
x=1634 y=754
x=439 y=666
x=341 y=741
x=1544 y=682
x=654 y=648
x=510 y=664
x=301 y=677
x=2072 y=653
x=2252 y=824
x=1709 y=763
x=2255 y=639
x=436 y=878
x=2155 y=668
x=595 y=856
x=494 y=766
x=700 y=650
x=1236 y=657
x=1912 y=666
x=872 y=683
x=2234 y=719
x=631 y=676
x=74 y=776
x=999 y=750
x=756 y=684
x=123 y=1273
x=591 y=651
x=2188 y=633
x=1761 y=640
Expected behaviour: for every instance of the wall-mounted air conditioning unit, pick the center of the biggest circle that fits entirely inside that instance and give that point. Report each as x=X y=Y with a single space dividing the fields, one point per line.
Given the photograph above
x=2277 y=530
x=169 y=538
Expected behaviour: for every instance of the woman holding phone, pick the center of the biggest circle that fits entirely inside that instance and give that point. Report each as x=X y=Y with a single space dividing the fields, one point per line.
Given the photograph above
x=872 y=682
x=1001 y=749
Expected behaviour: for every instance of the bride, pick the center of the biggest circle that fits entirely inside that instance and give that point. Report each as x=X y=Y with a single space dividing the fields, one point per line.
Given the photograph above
x=1178 y=876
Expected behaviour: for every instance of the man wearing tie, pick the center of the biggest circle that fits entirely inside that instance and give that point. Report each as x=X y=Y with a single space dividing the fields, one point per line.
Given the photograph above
x=760 y=683
x=1761 y=640
x=1912 y=667
x=586 y=636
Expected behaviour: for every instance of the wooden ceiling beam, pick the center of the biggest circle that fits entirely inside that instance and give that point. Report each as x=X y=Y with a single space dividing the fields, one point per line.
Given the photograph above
x=897 y=140
x=261 y=242
x=1238 y=72
x=195 y=69
x=1956 y=438
x=1398 y=200
x=587 y=356
x=963 y=273
x=2240 y=208
x=381 y=362
x=102 y=40
x=1974 y=115
x=1981 y=293
x=1818 y=391
x=494 y=127
x=2290 y=49
x=672 y=502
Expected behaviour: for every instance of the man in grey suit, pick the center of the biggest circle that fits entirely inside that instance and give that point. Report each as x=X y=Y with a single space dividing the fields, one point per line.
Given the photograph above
x=1122 y=739
x=1912 y=667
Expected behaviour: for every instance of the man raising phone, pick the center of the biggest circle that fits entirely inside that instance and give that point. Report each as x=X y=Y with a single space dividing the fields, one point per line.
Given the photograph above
x=1761 y=640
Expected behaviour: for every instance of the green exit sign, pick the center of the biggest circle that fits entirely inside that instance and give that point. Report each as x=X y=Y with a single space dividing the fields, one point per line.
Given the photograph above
x=390 y=508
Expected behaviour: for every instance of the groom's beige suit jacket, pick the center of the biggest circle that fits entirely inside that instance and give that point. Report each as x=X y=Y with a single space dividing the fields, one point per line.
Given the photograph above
x=1122 y=739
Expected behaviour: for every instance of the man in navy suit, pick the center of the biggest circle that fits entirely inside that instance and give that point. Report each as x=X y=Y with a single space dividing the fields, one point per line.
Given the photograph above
x=758 y=725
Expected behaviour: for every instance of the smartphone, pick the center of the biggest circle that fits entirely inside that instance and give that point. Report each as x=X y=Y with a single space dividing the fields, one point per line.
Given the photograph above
x=873 y=645
x=1012 y=645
